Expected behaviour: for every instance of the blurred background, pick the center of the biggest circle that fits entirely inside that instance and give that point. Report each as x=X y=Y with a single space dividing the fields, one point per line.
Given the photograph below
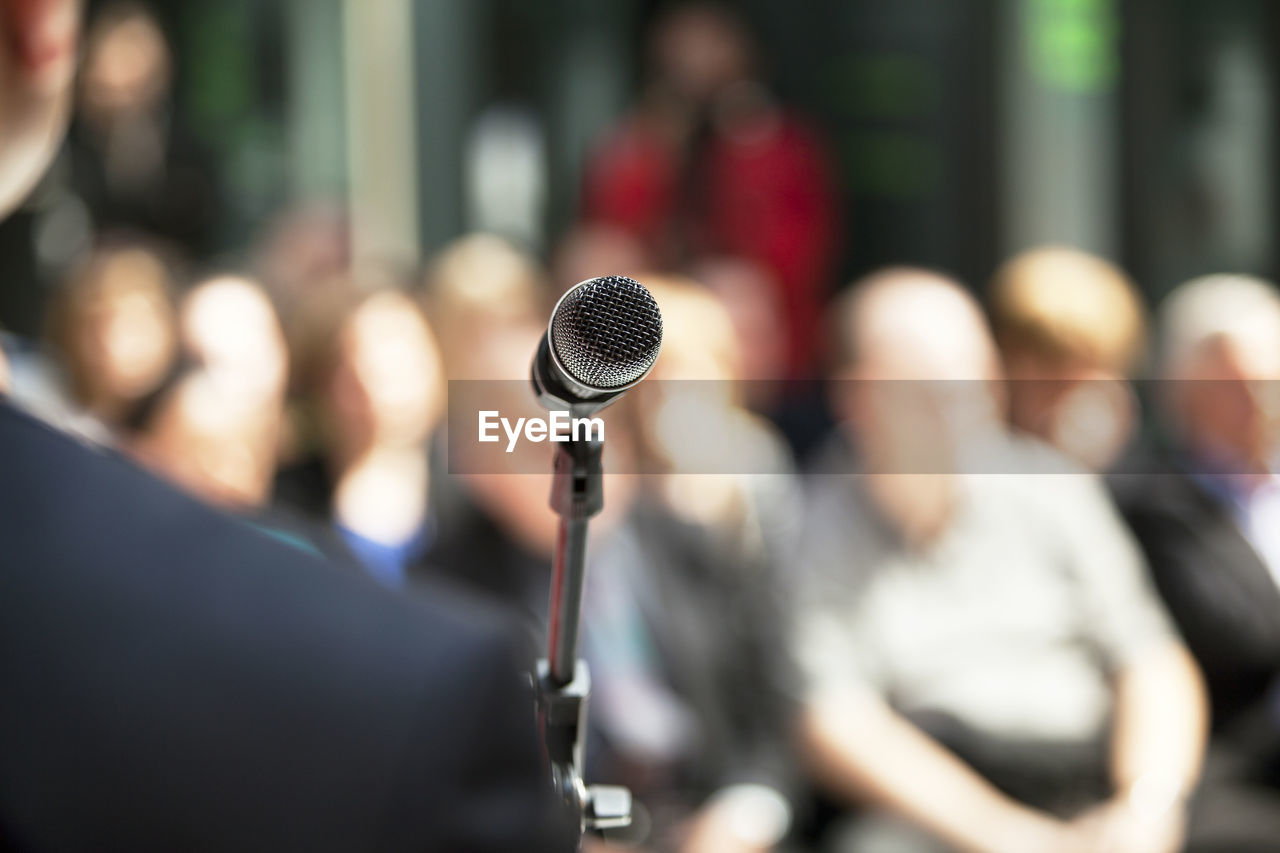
x=955 y=132
x=278 y=229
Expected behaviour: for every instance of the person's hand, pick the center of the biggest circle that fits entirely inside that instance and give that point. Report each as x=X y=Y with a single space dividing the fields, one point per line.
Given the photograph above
x=711 y=831
x=1115 y=827
x=1022 y=830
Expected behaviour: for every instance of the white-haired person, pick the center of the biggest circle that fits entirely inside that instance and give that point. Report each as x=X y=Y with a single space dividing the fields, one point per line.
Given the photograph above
x=1204 y=501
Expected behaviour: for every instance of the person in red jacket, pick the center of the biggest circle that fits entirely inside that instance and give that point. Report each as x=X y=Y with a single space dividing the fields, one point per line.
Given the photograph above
x=708 y=162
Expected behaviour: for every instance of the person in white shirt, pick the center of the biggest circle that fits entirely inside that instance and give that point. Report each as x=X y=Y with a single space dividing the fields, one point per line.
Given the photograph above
x=985 y=660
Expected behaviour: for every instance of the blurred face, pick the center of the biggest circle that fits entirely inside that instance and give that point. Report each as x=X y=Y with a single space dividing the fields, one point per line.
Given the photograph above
x=688 y=405
x=37 y=63
x=230 y=326
x=127 y=69
x=389 y=379
x=699 y=52
x=1230 y=405
x=212 y=443
x=750 y=296
x=128 y=343
x=1086 y=413
x=922 y=390
x=592 y=250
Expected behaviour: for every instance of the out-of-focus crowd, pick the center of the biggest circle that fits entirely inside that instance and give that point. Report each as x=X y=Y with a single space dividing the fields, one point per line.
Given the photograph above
x=976 y=589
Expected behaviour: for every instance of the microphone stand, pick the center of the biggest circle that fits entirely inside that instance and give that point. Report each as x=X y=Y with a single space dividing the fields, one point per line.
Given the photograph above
x=564 y=684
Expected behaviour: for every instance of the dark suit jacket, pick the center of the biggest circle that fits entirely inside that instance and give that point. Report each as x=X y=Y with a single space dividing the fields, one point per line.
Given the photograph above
x=173 y=679
x=1216 y=587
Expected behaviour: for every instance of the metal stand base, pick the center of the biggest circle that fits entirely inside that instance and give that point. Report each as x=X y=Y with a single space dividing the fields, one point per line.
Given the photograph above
x=562 y=713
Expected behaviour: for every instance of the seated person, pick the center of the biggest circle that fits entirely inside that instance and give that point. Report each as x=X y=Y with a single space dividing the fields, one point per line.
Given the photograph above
x=985 y=661
x=368 y=359
x=1070 y=327
x=686 y=708
x=695 y=713
x=1206 y=505
x=197 y=431
x=112 y=330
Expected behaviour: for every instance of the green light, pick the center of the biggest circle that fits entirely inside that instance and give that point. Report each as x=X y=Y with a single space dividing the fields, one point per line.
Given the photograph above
x=1073 y=44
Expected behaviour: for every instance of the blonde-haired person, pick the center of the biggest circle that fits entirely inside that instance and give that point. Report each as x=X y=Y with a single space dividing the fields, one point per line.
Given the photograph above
x=481 y=286
x=1071 y=328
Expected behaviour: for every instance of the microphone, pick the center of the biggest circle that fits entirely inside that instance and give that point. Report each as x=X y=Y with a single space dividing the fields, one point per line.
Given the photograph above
x=603 y=338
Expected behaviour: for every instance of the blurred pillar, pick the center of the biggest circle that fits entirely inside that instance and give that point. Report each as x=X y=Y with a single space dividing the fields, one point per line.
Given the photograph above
x=449 y=64
x=594 y=47
x=316 y=107
x=1200 y=115
x=382 y=129
x=506 y=180
x=1060 y=124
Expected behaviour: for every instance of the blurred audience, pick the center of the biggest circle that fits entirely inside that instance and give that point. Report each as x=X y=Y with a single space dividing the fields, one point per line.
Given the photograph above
x=985 y=660
x=709 y=162
x=213 y=425
x=369 y=359
x=594 y=249
x=1071 y=328
x=497 y=529
x=982 y=663
x=1205 y=504
x=694 y=428
x=228 y=324
x=746 y=291
x=480 y=286
x=205 y=436
x=302 y=247
x=113 y=332
x=693 y=713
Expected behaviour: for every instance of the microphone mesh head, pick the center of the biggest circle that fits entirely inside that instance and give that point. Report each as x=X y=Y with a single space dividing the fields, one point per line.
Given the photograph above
x=606 y=332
